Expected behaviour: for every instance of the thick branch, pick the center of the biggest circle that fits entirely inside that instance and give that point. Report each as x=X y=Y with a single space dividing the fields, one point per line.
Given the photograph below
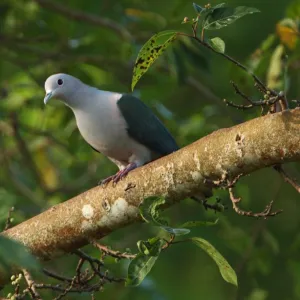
x=262 y=142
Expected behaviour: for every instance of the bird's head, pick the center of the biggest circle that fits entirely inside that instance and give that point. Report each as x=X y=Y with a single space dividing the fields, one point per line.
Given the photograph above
x=61 y=86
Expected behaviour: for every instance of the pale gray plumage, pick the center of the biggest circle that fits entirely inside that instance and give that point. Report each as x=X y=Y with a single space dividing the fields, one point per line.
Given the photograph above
x=117 y=125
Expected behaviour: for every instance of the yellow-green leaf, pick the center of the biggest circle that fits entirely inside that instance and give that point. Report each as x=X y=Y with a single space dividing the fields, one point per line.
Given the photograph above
x=217 y=44
x=226 y=270
x=149 y=53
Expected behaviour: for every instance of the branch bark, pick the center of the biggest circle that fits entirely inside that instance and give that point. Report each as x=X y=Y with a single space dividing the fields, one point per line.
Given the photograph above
x=265 y=141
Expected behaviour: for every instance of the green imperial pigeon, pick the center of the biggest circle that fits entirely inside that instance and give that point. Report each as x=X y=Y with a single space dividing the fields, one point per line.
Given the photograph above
x=120 y=126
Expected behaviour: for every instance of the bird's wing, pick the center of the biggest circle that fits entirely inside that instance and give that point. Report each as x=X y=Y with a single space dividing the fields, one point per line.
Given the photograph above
x=145 y=127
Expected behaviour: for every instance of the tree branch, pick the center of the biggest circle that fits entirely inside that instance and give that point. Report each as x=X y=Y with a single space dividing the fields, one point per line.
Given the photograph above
x=265 y=141
x=88 y=18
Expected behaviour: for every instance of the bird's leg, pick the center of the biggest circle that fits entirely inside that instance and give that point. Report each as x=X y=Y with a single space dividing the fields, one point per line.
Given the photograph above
x=119 y=175
x=108 y=179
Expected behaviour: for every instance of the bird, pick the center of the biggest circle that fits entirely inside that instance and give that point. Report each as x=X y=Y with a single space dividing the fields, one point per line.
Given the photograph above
x=118 y=125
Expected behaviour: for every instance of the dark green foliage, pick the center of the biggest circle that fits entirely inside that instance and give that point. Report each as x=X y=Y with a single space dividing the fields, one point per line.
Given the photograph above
x=13 y=255
x=36 y=41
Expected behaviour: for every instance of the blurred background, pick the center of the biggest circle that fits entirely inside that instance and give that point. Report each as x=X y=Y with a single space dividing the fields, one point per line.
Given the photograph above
x=44 y=160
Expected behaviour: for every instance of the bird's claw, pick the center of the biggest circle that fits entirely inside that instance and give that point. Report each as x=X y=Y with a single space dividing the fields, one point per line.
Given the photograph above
x=118 y=176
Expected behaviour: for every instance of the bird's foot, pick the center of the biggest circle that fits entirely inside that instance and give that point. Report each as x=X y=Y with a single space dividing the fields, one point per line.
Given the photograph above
x=118 y=176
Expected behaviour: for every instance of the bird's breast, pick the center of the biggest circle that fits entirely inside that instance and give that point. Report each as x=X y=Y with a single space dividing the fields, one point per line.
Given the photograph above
x=106 y=132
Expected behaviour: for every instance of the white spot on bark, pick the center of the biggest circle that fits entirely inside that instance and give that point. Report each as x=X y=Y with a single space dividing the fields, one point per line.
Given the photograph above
x=197 y=161
x=196 y=176
x=239 y=142
x=87 y=211
x=120 y=213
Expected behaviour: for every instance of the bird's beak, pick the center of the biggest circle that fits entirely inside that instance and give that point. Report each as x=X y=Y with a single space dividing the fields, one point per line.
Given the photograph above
x=47 y=97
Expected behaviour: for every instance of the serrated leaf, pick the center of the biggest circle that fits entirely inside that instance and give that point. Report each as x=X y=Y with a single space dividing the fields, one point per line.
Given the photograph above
x=191 y=224
x=142 y=264
x=176 y=231
x=198 y=8
x=226 y=270
x=13 y=254
x=217 y=44
x=149 y=53
x=222 y=16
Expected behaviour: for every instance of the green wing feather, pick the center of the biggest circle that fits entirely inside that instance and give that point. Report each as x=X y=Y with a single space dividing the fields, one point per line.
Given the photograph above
x=145 y=127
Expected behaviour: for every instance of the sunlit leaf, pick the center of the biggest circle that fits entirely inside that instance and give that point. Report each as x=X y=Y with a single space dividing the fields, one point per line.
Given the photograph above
x=226 y=270
x=223 y=16
x=217 y=44
x=287 y=30
x=153 y=48
x=276 y=68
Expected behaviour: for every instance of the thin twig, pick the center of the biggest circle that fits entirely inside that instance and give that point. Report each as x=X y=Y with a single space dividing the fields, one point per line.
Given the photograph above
x=9 y=219
x=65 y=292
x=267 y=212
x=287 y=178
x=56 y=276
x=110 y=252
x=31 y=285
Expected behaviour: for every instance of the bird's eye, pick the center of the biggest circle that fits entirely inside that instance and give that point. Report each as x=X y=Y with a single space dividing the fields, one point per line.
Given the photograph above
x=60 y=82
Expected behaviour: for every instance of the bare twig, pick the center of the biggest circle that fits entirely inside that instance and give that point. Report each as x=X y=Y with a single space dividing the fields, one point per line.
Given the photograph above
x=268 y=101
x=94 y=261
x=56 y=276
x=287 y=178
x=65 y=292
x=31 y=285
x=112 y=253
x=267 y=212
x=9 y=219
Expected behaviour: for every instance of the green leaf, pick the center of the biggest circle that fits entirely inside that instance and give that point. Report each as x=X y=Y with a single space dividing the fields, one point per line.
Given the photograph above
x=149 y=210
x=153 y=48
x=175 y=231
x=190 y=224
x=217 y=44
x=152 y=247
x=198 y=8
x=138 y=269
x=222 y=16
x=142 y=264
x=13 y=254
x=226 y=270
